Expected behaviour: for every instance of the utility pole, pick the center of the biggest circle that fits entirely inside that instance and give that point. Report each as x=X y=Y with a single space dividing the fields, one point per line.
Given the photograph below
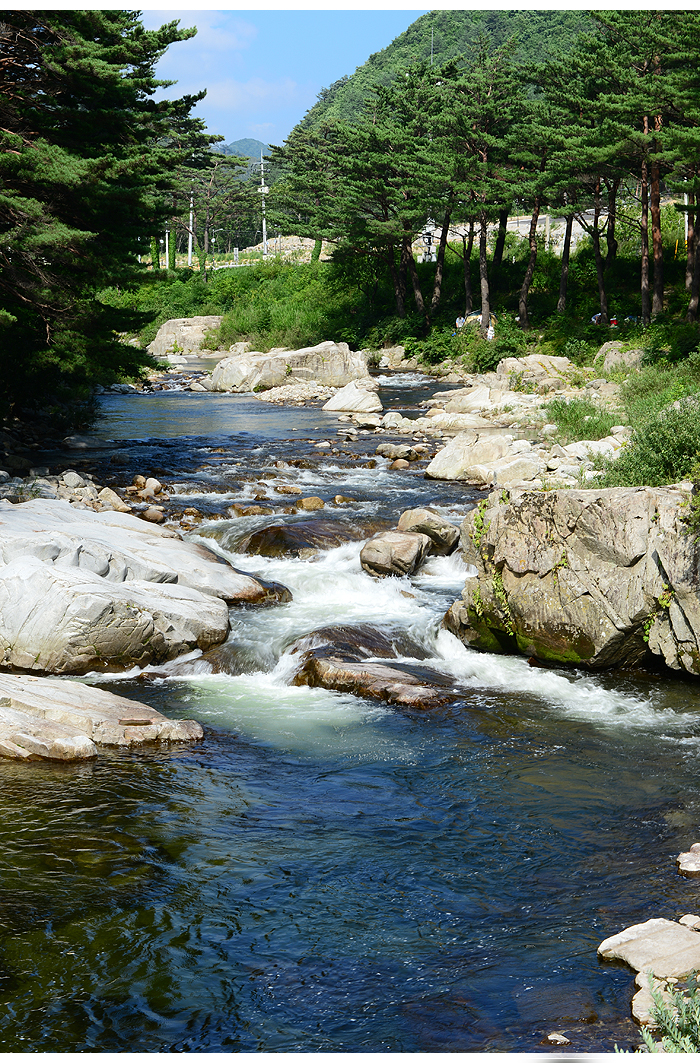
x=263 y=190
x=189 y=240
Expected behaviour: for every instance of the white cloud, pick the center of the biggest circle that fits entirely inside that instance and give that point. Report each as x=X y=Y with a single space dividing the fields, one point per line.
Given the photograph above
x=217 y=31
x=251 y=94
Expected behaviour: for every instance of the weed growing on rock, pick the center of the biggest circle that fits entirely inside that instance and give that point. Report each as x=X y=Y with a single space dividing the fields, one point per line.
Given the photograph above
x=480 y=525
x=502 y=599
x=563 y=562
x=663 y=602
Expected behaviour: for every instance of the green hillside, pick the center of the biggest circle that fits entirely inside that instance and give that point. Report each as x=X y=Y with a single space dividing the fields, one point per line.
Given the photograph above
x=247 y=148
x=453 y=33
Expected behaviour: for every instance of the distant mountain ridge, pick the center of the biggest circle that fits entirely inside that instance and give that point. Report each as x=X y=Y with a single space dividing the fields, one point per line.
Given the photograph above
x=247 y=148
x=445 y=34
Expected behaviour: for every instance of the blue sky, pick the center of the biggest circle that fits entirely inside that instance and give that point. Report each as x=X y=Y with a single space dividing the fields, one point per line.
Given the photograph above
x=263 y=69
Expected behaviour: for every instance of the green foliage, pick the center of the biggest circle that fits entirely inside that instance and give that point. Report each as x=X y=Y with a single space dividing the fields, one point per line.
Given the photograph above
x=480 y=526
x=664 y=448
x=85 y=167
x=579 y=419
x=445 y=35
x=442 y=344
x=678 y=1021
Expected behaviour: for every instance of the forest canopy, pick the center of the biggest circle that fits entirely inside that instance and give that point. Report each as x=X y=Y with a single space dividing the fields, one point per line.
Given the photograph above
x=87 y=160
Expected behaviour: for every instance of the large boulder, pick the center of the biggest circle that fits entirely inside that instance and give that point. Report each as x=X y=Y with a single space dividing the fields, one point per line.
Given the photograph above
x=182 y=336
x=534 y=370
x=466 y=455
x=590 y=577
x=51 y=719
x=394 y=553
x=354 y=399
x=662 y=952
x=443 y=535
x=333 y=364
x=614 y=355
x=82 y=590
x=343 y=658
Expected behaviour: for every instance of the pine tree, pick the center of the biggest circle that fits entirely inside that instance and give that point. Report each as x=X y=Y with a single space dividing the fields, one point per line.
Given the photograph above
x=86 y=170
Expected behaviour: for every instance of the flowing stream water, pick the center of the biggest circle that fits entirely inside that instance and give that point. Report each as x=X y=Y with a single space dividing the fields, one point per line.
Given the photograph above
x=322 y=872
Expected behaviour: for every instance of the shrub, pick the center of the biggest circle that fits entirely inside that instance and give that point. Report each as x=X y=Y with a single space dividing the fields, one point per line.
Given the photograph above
x=678 y=1021
x=441 y=344
x=579 y=419
x=663 y=448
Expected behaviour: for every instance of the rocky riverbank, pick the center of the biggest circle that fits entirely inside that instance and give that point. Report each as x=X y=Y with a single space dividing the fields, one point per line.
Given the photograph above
x=596 y=578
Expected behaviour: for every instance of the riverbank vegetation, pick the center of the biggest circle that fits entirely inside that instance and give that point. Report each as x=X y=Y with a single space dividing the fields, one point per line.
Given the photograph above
x=597 y=126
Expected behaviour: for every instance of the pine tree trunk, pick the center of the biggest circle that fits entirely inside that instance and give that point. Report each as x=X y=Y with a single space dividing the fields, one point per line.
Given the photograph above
x=440 y=267
x=484 y=276
x=694 y=304
x=644 y=226
x=657 y=301
x=172 y=243
x=501 y=238
x=399 y=281
x=599 y=265
x=690 y=249
x=530 y=271
x=564 y=279
x=415 y=284
x=612 y=219
x=467 y=245
x=155 y=253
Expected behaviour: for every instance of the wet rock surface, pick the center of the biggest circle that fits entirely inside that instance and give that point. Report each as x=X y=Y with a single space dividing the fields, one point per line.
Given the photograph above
x=394 y=553
x=339 y=658
x=299 y=539
x=49 y=719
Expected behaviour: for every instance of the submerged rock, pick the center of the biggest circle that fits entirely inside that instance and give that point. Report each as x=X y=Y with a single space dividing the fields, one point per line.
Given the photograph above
x=588 y=577
x=49 y=719
x=299 y=537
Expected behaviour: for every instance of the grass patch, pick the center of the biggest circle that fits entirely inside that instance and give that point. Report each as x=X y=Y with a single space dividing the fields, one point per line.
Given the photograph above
x=579 y=419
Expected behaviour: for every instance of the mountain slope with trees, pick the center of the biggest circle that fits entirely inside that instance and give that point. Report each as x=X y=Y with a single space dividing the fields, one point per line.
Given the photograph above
x=443 y=35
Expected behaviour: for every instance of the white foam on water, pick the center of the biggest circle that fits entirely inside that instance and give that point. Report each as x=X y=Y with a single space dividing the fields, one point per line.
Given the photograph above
x=261 y=707
x=444 y=572
x=579 y=698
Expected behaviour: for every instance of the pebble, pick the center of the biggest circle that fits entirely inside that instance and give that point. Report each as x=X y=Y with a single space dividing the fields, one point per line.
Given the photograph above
x=311 y=503
x=557 y=1039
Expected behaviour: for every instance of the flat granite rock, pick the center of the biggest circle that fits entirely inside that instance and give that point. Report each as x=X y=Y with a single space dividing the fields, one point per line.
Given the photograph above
x=55 y=719
x=661 y=946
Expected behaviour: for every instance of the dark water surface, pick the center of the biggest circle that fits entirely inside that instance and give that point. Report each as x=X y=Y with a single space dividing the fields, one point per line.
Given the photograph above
x=322 y=873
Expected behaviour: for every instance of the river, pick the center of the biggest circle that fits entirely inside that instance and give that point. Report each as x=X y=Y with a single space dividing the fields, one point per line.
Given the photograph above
x=325 y=873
